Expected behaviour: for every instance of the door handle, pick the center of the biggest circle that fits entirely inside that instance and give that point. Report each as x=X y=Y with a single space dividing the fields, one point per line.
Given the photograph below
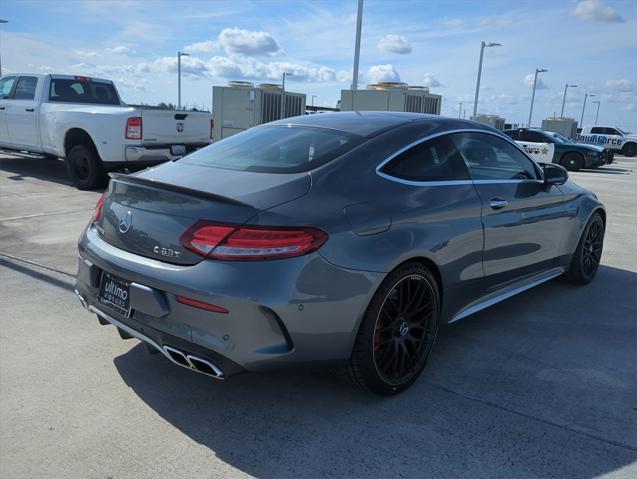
x=29 y=109
x=498 y=203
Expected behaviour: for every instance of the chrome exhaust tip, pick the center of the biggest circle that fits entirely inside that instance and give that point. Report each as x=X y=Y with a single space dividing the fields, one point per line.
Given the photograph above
x=190 y=361
x=178 y=357
x=205 y=367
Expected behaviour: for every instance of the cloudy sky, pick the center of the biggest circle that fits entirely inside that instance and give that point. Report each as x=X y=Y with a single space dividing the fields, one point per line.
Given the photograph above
x=591 y=43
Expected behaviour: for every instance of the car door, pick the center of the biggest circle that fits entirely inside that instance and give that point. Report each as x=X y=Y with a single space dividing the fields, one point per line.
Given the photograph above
x=524 y=221
x=22 y=114
x=537 y=145
x=6 y=88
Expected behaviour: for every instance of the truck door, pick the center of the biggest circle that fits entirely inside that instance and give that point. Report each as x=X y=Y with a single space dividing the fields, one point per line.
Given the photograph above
x=6 y=87
x=22 y=115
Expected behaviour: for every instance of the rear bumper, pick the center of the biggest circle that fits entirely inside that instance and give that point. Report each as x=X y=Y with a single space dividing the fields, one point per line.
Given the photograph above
x=155 y=154
x=281 y=313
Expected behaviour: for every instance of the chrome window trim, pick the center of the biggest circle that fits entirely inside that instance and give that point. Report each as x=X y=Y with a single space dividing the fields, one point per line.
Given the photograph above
x=538 y=170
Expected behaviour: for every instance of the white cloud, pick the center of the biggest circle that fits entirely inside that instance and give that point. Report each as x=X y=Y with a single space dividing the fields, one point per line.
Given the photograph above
x=246 y=42
x=528 y=81
x=86 y=53
x=453 y=22
x=621 y=85
x=430 y=81
x=119 y=49
x=596 y=11
x=382 y=73
x=206 y=46
x=394 y=44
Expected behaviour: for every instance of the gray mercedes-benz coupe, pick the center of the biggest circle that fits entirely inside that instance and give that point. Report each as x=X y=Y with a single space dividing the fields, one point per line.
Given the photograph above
x=338 y=239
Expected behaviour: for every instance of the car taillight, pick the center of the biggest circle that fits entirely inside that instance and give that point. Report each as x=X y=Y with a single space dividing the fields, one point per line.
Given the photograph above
x=212 y=129
x=134 y=128
x=97 y=212
x=249 y=243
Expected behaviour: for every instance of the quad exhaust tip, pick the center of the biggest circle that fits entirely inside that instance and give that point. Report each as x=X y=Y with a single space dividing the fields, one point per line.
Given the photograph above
x=196 y=363
x=186 y=360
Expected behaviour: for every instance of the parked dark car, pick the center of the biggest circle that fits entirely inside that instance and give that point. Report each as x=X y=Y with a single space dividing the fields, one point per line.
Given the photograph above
x=571 y=155
x=340 y=239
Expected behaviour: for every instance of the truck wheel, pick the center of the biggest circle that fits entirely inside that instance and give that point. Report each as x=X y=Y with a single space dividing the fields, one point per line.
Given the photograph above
x=85 y=168
x=629 y=149
x=572 y=161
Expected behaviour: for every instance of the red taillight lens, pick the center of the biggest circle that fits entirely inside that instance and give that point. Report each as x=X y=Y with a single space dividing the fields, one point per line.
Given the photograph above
x=97 y=212
x=134 y=128
x=201 y=305
x=212 y=129
x=249 y=243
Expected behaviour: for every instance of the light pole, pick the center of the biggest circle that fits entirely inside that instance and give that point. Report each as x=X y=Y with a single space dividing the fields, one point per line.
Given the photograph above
x=566 y=87
x=313 y=96
x=283 y=75
x=537 y=71
x=483 y=45
x=357 y=47
x=597 y=113
x=179 y=55
x=459 y=109
x=586 y=95
x=2 y=21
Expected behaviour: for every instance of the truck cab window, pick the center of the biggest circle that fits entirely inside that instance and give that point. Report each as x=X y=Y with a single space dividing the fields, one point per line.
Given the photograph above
x=25 y=88
x=6 y=84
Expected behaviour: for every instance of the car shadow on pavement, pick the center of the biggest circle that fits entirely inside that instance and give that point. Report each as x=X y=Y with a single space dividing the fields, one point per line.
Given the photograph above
x=47 y=169
x=540 y=385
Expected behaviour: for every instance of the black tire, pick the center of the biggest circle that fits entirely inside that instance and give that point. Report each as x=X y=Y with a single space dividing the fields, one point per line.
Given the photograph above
x=396 y=334
x=588 y=253
x=629 y=149
x=572 y=161
x=85 y=168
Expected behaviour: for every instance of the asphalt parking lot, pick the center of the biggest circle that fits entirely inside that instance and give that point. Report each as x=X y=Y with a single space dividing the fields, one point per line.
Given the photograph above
x=542 y=385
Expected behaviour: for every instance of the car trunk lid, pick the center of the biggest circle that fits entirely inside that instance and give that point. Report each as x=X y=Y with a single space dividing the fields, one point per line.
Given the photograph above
x=147 y=213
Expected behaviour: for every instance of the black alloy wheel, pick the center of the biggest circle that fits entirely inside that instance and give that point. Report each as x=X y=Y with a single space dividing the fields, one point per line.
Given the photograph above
x=404 y=330
x=588 y=254
x=398 y=331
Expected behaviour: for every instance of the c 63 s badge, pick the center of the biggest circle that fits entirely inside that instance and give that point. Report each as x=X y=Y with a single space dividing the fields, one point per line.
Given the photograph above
x=168 y=252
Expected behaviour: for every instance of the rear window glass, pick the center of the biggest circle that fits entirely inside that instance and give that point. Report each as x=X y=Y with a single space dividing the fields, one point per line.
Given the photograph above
x=275 y=149
x=83 y=91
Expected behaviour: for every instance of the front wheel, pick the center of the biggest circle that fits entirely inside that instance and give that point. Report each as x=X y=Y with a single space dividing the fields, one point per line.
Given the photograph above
x=572 y=161
x=397 y=332
x=588 y=253
x=85 y=168
x=629 y=149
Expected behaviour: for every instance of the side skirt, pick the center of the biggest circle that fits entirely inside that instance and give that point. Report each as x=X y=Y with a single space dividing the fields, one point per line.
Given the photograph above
x=501 y=295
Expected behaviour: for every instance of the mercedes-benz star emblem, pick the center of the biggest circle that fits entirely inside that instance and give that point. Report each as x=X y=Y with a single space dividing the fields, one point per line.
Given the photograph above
x=126 y=222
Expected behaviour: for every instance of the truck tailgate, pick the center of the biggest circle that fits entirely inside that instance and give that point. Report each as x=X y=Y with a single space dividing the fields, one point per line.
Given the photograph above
x=168 y=127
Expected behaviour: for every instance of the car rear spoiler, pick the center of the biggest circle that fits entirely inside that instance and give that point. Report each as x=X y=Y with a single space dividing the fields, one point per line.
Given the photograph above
x=176 y=188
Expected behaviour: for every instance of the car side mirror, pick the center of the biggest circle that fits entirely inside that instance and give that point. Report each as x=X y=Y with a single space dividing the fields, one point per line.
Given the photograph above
x=554 y=174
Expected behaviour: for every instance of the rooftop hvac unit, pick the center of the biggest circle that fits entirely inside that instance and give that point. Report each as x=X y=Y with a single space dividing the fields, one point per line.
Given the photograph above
x=392 y=97
x=495 y=121
x=564 y=126
x=240 y=106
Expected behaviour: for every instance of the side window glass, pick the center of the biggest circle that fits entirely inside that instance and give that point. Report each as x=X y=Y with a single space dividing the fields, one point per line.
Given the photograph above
x=533 y=136
x=612 y=131
x=25 y=88
x=513 y=134
x=433 y=160
x=597 y=130
x=5 y=87
x=491 y=158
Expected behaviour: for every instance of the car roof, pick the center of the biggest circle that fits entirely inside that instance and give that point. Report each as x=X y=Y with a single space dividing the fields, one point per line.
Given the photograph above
x=366 y=123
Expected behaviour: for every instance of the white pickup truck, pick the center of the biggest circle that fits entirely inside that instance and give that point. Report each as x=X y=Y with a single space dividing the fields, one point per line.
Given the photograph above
x=611 y=137
x=84 y=121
